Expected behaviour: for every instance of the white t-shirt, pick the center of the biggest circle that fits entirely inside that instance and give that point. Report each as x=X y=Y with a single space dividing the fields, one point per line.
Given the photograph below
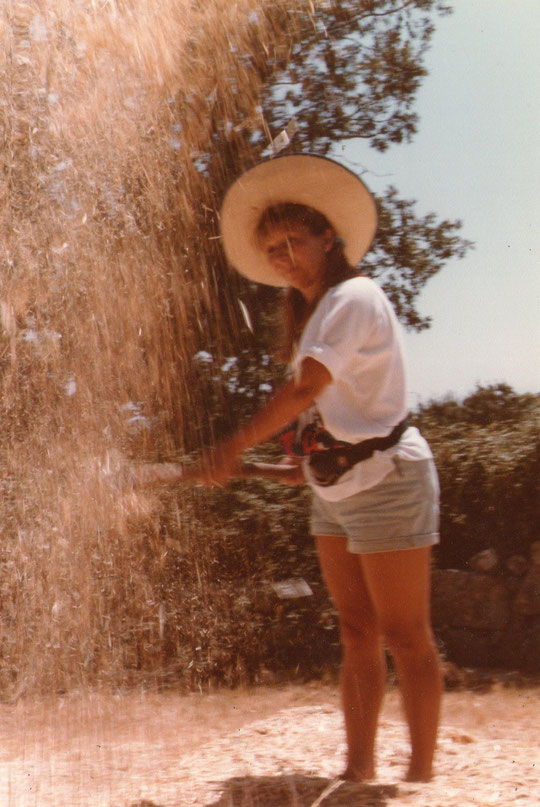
x=355 y=333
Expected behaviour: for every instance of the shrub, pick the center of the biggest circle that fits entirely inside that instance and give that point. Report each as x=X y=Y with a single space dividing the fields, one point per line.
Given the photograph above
x=487 y=454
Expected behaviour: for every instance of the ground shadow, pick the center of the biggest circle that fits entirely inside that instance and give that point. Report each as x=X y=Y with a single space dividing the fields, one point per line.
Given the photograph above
x=145 y=803
x=299 y=790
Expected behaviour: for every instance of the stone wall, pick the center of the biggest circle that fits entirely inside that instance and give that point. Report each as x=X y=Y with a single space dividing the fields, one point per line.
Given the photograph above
x=490 y=616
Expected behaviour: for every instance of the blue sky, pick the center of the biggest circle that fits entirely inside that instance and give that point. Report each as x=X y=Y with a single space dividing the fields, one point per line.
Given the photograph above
x=476 y=157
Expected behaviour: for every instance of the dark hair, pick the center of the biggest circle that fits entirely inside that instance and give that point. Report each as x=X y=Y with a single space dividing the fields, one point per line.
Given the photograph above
x=297 y=309
x=291 y=213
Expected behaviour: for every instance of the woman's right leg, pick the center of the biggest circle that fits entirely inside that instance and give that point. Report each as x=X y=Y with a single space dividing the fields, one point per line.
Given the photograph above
x=363 y=672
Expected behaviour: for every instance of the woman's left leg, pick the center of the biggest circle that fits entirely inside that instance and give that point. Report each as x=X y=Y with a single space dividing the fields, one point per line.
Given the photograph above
x=399 y=586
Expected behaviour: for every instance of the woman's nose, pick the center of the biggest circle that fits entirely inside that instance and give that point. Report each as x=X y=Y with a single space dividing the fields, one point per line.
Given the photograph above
x=283 y=250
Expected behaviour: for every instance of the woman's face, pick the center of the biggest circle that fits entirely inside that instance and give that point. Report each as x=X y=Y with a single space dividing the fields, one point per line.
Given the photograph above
x=297 y=255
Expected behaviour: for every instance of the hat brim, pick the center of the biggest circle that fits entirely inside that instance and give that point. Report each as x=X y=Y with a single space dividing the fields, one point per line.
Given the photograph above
x=306 y=179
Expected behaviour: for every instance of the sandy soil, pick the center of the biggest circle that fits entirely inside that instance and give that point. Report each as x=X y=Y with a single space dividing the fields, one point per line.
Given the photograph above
x=264 y=748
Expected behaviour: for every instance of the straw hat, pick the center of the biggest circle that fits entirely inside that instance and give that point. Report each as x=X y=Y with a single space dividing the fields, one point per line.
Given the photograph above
x=302 y=179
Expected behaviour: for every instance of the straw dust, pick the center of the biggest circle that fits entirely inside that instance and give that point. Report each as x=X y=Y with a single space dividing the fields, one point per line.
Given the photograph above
x=110 y=113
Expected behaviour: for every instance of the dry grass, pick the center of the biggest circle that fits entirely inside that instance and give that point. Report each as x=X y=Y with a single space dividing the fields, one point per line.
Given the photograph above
x=108 y=108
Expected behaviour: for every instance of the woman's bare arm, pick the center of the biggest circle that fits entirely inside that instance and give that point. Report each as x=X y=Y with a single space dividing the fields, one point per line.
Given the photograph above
x=292 y=399
x=159 y=474
x=288 y=473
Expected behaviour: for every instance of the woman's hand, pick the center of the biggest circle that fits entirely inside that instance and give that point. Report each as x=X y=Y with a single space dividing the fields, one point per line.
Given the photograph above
x=155 y=473
x=295 y=476
x=215 y=467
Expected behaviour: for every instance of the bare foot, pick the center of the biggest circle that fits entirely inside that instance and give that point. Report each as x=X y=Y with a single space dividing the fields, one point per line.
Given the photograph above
x=351 y=774
x=415 y=774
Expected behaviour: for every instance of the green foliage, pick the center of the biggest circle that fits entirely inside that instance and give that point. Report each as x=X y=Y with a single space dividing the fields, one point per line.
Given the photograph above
x=352 y=71
x=487 y=451
x=497 y=403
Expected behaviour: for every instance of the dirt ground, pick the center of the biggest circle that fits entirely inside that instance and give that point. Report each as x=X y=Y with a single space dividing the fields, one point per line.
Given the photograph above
x=261 y=748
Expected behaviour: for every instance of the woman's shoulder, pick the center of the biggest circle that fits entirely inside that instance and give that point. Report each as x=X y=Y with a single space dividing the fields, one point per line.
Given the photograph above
x=359 y=288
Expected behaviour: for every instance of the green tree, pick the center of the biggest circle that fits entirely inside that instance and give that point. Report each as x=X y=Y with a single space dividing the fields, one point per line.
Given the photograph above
x=352 y=71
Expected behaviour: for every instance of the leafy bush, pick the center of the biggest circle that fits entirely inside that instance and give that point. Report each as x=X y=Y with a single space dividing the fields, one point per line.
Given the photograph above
x=487 y=451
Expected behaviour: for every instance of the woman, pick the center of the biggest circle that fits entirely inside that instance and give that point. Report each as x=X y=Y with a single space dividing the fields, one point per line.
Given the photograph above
x=304 y=222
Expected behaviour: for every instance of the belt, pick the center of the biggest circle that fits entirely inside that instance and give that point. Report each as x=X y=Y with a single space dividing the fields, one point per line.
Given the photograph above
x=328 y=465
x=365 y=449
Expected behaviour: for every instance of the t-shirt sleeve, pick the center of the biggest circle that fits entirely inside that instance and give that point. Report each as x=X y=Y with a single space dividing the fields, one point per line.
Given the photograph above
x=338 y=331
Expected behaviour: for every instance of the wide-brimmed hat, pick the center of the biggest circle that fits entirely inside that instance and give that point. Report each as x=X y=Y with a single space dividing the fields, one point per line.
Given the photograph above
x=305 y=179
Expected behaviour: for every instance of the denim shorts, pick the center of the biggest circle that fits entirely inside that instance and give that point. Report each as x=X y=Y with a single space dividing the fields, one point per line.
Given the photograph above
x=400 y=512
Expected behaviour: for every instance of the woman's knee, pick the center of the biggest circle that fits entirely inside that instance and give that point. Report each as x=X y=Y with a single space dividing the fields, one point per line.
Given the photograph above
x=358 y=634
x=402 y=637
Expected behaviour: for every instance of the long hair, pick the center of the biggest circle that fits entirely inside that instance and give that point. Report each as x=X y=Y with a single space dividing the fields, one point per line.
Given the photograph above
x=297 y=309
